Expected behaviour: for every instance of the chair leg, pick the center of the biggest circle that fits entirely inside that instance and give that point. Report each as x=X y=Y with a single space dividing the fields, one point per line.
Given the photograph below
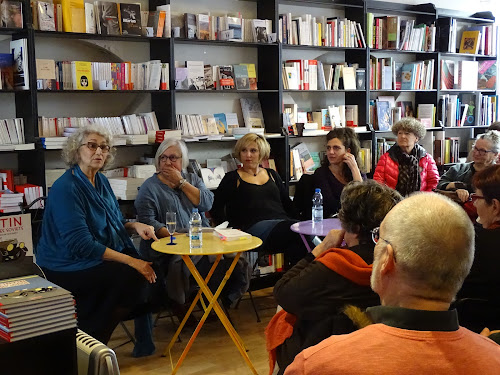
x=171 y=316
x=129 y=334
x=253 y=305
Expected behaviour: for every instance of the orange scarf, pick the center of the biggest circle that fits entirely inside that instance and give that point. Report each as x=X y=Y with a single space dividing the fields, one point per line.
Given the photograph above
x=342 y=261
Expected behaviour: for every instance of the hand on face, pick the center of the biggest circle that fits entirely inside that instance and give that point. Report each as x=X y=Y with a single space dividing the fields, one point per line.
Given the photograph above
x=171 y=170
x=171 y=175
x=333 y=239
x=350 y=160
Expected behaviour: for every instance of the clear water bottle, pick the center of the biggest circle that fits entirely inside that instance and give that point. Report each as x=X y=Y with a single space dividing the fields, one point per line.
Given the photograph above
x=195 y=232
x=317 y=207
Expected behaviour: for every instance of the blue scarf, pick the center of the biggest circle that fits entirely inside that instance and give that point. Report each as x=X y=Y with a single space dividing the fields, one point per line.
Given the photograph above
x=102 y=196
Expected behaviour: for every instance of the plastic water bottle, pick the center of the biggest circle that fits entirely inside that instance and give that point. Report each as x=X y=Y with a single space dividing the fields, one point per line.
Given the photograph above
x=195 y=233
x=317 y=207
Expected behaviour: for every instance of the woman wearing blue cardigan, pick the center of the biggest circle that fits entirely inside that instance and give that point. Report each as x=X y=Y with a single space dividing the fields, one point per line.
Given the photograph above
x=85 y=245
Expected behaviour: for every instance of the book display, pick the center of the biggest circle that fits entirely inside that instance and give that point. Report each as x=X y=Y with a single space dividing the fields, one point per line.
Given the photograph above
x=303 y=66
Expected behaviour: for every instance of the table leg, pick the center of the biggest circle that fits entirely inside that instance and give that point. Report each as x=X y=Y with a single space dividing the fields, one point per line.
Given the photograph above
x=191 y=308
x=305 y=242
x=215 y=305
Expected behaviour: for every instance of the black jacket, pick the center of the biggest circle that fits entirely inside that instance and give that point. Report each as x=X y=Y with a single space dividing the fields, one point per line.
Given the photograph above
x=316 y=294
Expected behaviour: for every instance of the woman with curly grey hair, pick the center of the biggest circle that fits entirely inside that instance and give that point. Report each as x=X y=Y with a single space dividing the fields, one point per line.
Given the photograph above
x=85 y=245
x=407 y=167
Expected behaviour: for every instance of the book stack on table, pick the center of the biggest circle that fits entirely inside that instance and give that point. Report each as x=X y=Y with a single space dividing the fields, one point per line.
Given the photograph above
x=31 y=306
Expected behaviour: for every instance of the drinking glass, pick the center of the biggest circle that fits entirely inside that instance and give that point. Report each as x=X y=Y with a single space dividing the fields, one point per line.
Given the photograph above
x=171 y=224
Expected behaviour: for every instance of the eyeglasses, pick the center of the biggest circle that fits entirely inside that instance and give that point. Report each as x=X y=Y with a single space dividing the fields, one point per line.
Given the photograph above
x=474 y=197
x=94 y=146
x=172 y=158
x=376 y=237
x=481 y=151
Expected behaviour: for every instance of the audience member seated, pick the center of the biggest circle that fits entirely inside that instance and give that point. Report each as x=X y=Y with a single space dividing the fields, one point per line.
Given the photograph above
x=459 y=177
x=424 y=252
x=173 y=189
x=85 y=245
x=407 y=167
x=254 y=199
x=478 y=302
x=339 y=167
x=318 y=288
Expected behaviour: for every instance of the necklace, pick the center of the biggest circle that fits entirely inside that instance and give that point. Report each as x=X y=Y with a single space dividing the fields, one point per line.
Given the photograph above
x=254 y=174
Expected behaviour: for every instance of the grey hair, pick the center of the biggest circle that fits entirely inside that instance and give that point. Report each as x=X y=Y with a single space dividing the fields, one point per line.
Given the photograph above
x=70 y=153
x=493 y=136
x=169 y=142
x=433 y=241
x=410 y=124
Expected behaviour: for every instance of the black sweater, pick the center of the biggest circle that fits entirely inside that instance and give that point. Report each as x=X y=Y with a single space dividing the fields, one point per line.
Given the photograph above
x=247 y=204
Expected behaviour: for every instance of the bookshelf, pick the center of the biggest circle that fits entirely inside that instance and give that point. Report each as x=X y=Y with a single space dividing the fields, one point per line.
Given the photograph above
x=267 y=57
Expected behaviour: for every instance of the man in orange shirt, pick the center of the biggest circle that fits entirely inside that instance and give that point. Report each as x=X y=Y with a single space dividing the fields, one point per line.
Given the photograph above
x=424 y=251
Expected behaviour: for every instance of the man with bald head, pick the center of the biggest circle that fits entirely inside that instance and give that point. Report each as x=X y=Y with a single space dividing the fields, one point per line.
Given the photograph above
x=424 y=251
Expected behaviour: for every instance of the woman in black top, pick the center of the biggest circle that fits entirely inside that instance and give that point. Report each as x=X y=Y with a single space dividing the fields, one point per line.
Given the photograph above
x=254 y=200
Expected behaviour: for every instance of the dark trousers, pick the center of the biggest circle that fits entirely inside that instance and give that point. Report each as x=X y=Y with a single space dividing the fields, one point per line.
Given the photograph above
x=105 y=295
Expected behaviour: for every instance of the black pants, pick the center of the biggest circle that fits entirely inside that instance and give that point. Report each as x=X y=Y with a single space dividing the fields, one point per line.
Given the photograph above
x=105 y=295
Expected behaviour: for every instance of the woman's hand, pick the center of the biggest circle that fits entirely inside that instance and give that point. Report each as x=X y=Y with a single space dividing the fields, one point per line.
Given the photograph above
x=333 y=239
x=463 y=195
x=172 y=176
x=144 y=268
x=350 y=160
x=147 y=232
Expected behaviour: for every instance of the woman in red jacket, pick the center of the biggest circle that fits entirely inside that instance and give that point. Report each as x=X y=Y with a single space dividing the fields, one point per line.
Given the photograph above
x=407 y=167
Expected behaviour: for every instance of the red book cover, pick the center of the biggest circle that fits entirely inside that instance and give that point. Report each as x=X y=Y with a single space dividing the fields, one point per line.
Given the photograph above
x=8 y=176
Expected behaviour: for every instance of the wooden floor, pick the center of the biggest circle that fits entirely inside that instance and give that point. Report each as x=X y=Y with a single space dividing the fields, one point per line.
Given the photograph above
x=213 y=352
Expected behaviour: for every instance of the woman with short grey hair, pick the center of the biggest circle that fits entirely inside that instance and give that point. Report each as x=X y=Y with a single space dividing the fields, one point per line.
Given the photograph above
x=458 y=178
x=407 y=167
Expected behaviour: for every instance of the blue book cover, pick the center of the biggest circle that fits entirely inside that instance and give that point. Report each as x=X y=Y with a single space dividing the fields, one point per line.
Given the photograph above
x=220 y=120
x=408 y=76
x=383 y=115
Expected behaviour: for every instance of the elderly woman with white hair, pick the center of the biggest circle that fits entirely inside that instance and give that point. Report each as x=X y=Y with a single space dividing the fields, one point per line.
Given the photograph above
x=85 y=245
x=171 y=189
x=407 y=167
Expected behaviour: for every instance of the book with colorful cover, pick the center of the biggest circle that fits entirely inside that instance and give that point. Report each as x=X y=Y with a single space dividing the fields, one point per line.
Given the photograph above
x=252 y=76
x=11 y=14
x=487 y=75
x=383 y=115
x=130 y=18
x=220 y=120
x=107 y=18
x=470 y=99
x=226 y=77
x=231 y=234
x=241 y=77
x=83 y=75
x=470 y=42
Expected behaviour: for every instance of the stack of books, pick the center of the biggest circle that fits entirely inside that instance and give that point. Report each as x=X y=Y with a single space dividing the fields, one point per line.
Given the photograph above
x=125 y=188
x=9 y=202
x=31 y=306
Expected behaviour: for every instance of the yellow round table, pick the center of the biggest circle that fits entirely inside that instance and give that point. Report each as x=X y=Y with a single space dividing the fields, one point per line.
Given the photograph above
x=212 y=245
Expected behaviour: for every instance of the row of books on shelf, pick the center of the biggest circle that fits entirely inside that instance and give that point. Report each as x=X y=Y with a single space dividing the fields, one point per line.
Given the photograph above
x=316 y=75
x=320 y=31
x=101 y=17
x=195 y=75
x=465 y=108
x=223 y=123
x=393 y=32
x=15 y=191
x=386 y=111
x=446 y=150
x=468 y=75
x=12 y=131
x=333 y=116
x=387 y=74
x=480 y=39
x=210 y=27
x=11 y=14
x=33 y=306
x=86 y=75
x=134 y=124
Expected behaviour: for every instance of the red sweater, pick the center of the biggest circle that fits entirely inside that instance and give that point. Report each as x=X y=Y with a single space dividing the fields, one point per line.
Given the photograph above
x=387 y=172
x=381 y=349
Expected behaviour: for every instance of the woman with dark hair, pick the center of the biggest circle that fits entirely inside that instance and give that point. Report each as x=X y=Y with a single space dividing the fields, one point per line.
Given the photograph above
x=407 y=167
x=339 y=167
x=318 y=288
x=483 y=282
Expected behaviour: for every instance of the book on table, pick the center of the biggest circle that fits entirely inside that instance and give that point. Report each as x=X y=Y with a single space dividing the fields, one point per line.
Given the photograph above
x=231 y=234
